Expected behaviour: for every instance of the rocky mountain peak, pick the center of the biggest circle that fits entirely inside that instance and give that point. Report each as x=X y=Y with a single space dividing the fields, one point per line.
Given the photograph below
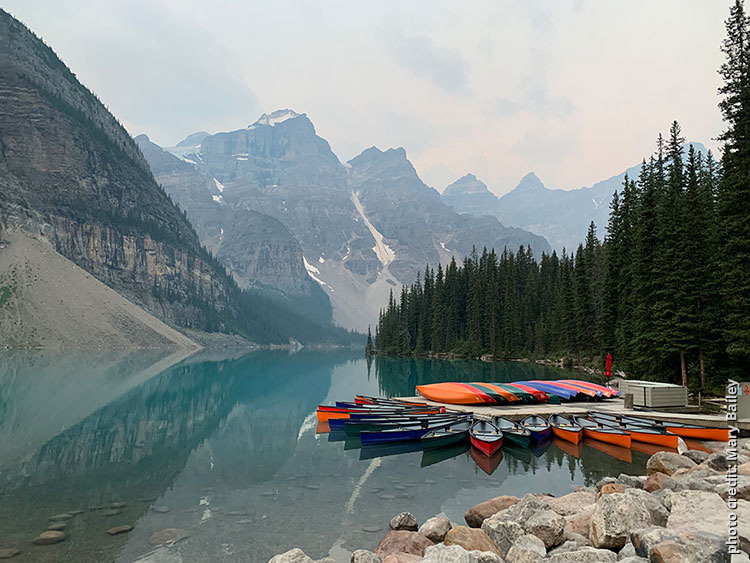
x=465 y=185
x=193 y=140
x=530 y=182
x=273 y=118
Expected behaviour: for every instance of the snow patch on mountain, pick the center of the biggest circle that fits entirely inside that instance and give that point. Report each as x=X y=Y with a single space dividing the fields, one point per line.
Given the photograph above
x=275 y=117
x=219 y=185
x=385 y=253
x=312 y=271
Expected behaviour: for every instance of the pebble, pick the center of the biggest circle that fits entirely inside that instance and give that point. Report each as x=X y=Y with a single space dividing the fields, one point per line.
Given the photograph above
x=313 y=487
x=111 y=512
x=160 y=509
x=75 y=512
x=387 y=497
x=245 y=521
x=57 y=526
x=49 y=537
x=117 y=505
x=119 y=530
x=8 y=552
x=63 y=516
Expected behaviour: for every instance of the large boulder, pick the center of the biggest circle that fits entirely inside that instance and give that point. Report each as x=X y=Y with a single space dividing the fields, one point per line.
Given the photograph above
x=740 y=490
x=404 y=521
x=720 y=460
x=614 y=517
x=295 y=555
x=700 y=511
x=667 y=463
x=364 y=556
x=435 y=528
x=572 y=503
x=527 y=549
x=472 y=539
x=548 y=526
x=479 y=513
x=584 y=555
x=654 y=505
x=402 y=541
x=503 y=533
x=534 y=516
x=662 y=545
x=580 y=523
x=698 y=456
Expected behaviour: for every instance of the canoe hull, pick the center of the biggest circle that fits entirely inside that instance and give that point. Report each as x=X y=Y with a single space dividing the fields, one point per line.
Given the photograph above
x=442 y=441
x=369 y=438
x=487 y=448
x=572 y=436
x=517 y=439
x=622 y=440
x=716 y=434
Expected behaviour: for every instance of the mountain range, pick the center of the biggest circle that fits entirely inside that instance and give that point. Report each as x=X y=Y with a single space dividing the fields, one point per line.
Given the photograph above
x=358 y=229
x=561 y=216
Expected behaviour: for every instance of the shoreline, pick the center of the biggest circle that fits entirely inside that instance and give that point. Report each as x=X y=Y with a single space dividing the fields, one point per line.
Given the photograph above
x=678 y=511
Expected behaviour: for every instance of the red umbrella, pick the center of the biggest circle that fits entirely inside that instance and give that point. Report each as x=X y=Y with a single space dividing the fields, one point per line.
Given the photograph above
x=608 y=370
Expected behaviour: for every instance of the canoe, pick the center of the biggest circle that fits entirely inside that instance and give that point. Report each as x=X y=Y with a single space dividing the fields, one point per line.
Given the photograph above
x=499 y=392
x=540 y=396
x=441 y=437
x=327 y=413
x=513 y=432
x=355 y=428
x=569 y=387
x=486 y=437
x=683 y=430
x=523 y=396
x=608 y=391
x=436 y=455
x=565 y=429
x=398 y=433
x=596 y=431
x=365 y=400
x=639 y=433
x=598 y=393
x=454 y=393
x=562 y=393
x=539 y=428
x=488 y=464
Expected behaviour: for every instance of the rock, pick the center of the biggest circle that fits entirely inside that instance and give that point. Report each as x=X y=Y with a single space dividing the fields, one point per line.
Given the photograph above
x=49 y=537
x=668 y=546
x=698 y=456
x=57 y=526
x=486 y=557
x=124 y=529
x=546 y=525
x=633 y=559
x=472 y=539
x=435 y=528
x=743 y=469
x=610 y=488
x=160 y=509
x=446 y=554
x=479 y=513
x=326 y=560
x=170 y=536
x=741 y=489
x=667 y=463
x=614 y=516
x=111 y=512
x=584 y=555
x=572 y=503
x=63 y=516
x=502 y=532
x=8 y=552
x=566 y=547
x=700 y=511
x=364 y=556
x=402 y=558
x=404 y=521
x=580 y=523
x=402 y=541
x=655 y=481
x=527 y=549
x=655 y=507
x=295 y=555
x=117 y=505
x=604 y=481
x=720 y=462
x=631 y=481
x=627 y=551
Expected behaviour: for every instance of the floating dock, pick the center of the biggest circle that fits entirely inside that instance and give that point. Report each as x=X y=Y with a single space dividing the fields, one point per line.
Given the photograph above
x=611 y=406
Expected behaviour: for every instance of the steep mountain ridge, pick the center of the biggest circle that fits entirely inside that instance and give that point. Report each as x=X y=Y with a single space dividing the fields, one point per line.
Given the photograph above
x=71 y=175
x=364 y=227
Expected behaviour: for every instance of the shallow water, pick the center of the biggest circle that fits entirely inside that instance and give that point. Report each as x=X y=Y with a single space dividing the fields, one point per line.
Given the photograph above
x=227 y=450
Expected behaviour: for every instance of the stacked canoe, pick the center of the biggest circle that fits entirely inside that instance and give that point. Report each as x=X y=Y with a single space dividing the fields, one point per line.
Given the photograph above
x=535 y=391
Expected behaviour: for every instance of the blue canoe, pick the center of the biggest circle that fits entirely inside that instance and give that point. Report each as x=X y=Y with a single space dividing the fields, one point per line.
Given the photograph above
x=400 y=434
x=539 y=428
x=552 y=389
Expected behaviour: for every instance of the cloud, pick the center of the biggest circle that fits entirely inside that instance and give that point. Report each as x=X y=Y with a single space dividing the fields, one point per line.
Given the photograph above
x=445 y=68
x=534 y=99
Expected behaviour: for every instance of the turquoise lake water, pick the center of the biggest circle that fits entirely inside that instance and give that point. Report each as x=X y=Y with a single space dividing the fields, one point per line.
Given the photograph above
x=226 y=449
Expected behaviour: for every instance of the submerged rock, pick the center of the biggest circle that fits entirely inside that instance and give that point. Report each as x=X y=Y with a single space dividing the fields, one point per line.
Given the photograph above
x=63 y=516
x=57 y=526
x=160 y=509
x=404 y=521
x=49 y=537
x=479 y=513
x=168 y=536
x=435 y=528
x=119 y=530
x=8 y=552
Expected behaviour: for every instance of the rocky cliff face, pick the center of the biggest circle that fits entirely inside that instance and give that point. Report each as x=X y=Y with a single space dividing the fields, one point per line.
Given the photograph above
x=364 y=227
x=70 y=174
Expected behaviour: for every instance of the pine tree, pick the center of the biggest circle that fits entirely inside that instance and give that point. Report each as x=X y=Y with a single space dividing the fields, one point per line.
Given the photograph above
x=369 y=347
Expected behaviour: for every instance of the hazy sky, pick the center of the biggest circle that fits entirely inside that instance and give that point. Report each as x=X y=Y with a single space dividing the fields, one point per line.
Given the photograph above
x=574 y=90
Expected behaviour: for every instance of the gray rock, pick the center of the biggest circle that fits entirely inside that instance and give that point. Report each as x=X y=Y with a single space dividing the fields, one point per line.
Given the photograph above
x=655 y=506
x=627 y=551
x=479 y=513
x=631 y=481
x=49 y=537
x=665 y=497
x=364 y=556
x=604 y=481
x=584 y=555
x=546 y=525
x=502 y=532
x=719 y=461
x=446 y=554
x=566 y=547
x=120 y=530
x=8 y=552
x=435 y=528
x=160 y=509
x=486 y=557
x=527 y=549
x=698 y=456
x=741 y=489
x=581 y=540
x=572 y=503
x=661 y=544
x=295 y=555
x=57 y=526
x=111 y=512
x=63 y=516
x=667 y=463
x=404 y=521
x=614 y=516
x=117 y=505
x=633 y=559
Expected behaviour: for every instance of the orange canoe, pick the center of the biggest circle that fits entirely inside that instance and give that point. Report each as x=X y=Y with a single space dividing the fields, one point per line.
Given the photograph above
x=455 y=393
x=700 y=433
x=327 y=413
x=572 y=436
x=565 y=429
x=610 y=436
x=607 y=391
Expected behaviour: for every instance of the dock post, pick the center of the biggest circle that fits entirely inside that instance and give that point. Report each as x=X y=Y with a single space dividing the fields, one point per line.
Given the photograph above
x=628 y=401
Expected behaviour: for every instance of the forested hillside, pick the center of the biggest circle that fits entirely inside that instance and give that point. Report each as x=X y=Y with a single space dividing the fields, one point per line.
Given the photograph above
x=667 y=292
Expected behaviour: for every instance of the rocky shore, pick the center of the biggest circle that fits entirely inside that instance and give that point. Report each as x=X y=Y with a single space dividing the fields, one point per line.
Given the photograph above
x=677 y=513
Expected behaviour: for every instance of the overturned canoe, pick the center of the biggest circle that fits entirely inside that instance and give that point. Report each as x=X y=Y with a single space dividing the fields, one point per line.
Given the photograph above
x=457 y=393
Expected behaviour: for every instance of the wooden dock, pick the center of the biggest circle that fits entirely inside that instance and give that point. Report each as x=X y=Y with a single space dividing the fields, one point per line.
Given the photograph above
x=612 y=406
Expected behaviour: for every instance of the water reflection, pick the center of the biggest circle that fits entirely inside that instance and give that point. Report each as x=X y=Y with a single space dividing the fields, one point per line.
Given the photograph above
x=226 y=449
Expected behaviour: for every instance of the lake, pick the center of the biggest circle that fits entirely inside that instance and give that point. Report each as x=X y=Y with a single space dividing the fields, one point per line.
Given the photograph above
x=226 y=449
